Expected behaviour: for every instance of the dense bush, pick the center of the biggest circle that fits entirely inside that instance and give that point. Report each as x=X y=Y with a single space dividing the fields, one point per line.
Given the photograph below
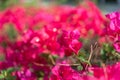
x=59 y=43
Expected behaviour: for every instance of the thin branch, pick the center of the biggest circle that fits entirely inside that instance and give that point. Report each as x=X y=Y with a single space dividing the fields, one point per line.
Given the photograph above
x=90 y=56
x=52 y=60
x=91 y=52
x=42 y=65
x=69 y=64
x=116 y=54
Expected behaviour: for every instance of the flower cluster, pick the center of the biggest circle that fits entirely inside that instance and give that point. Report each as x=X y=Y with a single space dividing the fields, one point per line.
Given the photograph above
x=94 y=73
x=46 y=43
x=113 y=29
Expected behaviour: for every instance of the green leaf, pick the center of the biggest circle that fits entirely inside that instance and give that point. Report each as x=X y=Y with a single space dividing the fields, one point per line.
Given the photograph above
x=10 y=78
x=4 y=72
x=90 y=73
x=10 y=70
x=2 y=76
x=40 y=78
x=82 y=59
x=79 y=68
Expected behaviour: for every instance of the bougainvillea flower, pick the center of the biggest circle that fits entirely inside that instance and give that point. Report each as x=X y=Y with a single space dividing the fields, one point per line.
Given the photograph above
x=64 y=72
x=25 y=74
x=70 y=43
x=14 y=17
x=113 y=29
x=45 y=36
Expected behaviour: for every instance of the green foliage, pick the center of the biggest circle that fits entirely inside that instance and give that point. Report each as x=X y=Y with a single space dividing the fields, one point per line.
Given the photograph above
x=108 y=54
x=11 y=32
x=80 y=68
x=7 y=3
x=7 y=74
